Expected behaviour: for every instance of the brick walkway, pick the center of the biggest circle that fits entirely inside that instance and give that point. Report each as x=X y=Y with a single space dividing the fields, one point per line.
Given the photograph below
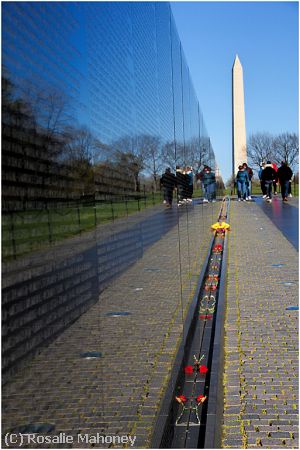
x=261 y=371
x=119 y=393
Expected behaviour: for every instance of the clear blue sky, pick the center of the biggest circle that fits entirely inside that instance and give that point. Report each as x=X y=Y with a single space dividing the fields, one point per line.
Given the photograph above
x=265 y=36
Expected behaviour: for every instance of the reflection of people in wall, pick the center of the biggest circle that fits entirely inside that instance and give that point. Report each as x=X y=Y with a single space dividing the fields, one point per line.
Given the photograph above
x=168 y=182
x=181 y=179
x=209 y=184
x=190 y=187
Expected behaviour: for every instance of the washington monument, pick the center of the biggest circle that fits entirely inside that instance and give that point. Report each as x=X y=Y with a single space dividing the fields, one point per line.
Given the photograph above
x=239 y=150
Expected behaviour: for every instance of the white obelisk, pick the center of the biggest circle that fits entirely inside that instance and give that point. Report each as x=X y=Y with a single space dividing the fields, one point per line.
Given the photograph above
x=239 y=148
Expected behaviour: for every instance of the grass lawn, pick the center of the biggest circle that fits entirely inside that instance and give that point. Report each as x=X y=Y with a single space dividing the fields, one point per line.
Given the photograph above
x=25 y=232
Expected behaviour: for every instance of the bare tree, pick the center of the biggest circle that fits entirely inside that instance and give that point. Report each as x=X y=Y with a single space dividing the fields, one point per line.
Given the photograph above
x=151 y=153
x=128 y=158
x=79 y=153
x=286 y=148
x=260 y=148
x=173 y=154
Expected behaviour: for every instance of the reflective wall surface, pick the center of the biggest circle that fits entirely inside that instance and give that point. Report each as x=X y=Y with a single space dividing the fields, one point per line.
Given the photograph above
x=97 y=100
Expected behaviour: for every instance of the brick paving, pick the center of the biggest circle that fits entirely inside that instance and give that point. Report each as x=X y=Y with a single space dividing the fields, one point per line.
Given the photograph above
x=261 y=343
x=119 y=393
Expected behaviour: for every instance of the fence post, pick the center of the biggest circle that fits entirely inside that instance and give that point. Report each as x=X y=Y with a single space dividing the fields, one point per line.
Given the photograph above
x=12 y=232
x=78 y=217
x=95 y=211
x=49 y=225
x=145 y=198
x=112 y=210
x=138 y=199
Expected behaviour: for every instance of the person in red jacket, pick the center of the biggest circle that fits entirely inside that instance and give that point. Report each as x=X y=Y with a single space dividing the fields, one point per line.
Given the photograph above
x=275 y=182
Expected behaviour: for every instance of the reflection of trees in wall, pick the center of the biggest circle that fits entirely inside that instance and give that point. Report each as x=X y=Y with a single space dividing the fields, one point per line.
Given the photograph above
x=151 y=153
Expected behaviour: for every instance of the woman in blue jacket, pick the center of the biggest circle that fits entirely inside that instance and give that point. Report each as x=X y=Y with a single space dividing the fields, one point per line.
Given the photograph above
x=242 y=179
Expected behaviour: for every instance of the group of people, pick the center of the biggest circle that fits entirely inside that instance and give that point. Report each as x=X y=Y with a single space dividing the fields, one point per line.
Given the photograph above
x=183 y=181
x=269 y=175
x=243 y=182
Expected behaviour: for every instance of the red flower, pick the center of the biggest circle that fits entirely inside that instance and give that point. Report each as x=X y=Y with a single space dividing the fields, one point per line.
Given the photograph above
x=205 y=316
x=217 y=248
x=201 y=398
x=203 y=369
x=188 y=369
x=181 y=399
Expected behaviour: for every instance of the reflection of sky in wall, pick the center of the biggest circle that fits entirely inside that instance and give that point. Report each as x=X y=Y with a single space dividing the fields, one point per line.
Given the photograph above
x=120 y=65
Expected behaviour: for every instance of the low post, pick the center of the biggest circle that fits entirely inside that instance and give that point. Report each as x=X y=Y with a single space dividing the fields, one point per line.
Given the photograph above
x=49 y=225
x=112 y=210
x=12 y=233
x=78 y=217
x=145 y=199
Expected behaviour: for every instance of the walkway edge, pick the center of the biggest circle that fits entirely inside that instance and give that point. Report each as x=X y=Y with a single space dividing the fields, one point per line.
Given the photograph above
x=166 y=415
x=213 y=434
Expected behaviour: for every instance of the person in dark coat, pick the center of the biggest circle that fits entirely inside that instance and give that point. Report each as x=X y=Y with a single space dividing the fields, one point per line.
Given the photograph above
x=182 y=185
x=249 y=185
x=189 y=173
x=209 y=183
x=168 y=182
x=268 y=176
x=242 y=178
x=284 y=175
x=262 y=184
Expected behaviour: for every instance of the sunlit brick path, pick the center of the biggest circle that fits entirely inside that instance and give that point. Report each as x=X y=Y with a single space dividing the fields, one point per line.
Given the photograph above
x=261 y=371
x=119 y=393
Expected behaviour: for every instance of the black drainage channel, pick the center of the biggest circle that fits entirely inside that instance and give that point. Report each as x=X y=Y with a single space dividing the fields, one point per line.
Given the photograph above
x=191 y=411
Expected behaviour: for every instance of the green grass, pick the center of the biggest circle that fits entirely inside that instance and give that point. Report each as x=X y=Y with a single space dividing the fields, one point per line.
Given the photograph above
x=28 y=231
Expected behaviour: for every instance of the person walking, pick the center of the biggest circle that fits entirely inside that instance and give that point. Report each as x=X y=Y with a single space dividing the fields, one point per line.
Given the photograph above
x=209 y=183
x=242 y=178
x=181 y=181
x=284 y=175
x=262 y=184
x=190 y=187
x=275 y=182
x=249 y=184
x=199 y=177
x=168 y=182
x=268 y=177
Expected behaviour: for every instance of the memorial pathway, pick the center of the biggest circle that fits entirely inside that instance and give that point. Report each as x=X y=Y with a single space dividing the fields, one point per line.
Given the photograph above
x=261 y=347
x=136 y=326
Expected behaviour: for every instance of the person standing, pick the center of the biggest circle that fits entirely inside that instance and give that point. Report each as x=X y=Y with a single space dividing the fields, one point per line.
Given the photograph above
x=249 y=184
x=242 y=178
x=284 y=175
x=189 y=173
x=275 y=182
x=168 y=182
x=262 y=184
x=268 y=177
x=181 y=182
x=209 y=182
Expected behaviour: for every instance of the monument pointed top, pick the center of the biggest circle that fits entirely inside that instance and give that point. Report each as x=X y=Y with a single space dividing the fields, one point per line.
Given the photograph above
x=237 y=61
